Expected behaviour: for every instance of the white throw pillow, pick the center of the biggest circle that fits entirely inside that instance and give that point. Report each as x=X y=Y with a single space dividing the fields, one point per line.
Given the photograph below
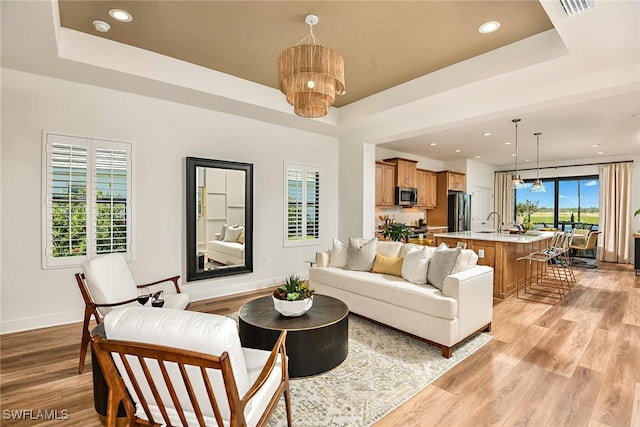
x=466 y=260
x=361 y=258
x=232 y=233
x=389 y=249
x=441 y=265
x=338 y=255
x=415 y=266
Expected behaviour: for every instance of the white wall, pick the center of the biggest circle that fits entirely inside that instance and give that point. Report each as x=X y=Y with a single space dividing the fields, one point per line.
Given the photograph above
x=162 y=134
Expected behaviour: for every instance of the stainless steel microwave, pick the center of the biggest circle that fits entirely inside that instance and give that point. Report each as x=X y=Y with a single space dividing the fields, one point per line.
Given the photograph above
x=406 y=196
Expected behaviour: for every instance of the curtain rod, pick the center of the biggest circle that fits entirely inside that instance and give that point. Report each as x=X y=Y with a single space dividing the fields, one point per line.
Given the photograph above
x=567 y=166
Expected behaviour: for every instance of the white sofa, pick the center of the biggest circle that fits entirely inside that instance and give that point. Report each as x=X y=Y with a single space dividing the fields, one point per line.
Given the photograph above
x=227 y=253
x=444 y=318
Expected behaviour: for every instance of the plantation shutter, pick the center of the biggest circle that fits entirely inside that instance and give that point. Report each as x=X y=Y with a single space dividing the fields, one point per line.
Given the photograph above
x=110 y=199
x=66 y=200
x=312 y=208
x=302 y=206
x=87 y=199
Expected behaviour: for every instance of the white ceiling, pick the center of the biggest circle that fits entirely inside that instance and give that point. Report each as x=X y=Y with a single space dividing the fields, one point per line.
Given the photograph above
x=578 y=84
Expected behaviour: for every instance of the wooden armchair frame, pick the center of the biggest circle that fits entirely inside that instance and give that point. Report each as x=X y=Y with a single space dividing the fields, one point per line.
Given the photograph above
x=105 y=349
x=91 y=308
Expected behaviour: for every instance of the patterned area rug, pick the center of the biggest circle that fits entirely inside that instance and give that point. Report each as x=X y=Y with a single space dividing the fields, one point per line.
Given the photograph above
x=383 y=370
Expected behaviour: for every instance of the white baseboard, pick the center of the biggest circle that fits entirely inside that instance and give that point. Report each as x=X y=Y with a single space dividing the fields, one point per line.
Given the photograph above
x=11 y=326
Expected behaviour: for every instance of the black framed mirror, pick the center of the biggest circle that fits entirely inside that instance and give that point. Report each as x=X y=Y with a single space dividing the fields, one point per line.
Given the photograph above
x=219 y=218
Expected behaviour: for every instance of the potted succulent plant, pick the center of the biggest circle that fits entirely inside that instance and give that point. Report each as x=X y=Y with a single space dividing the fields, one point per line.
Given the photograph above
x=294 y=298
x=397 y=232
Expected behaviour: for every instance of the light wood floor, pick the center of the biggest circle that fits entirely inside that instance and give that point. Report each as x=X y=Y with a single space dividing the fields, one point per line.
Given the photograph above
x=573 y=364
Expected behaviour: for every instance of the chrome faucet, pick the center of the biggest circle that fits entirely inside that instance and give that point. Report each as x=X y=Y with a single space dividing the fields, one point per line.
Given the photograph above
x=500 y=227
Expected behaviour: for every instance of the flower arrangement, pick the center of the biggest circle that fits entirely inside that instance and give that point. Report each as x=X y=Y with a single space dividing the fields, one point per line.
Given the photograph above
x=295 y=288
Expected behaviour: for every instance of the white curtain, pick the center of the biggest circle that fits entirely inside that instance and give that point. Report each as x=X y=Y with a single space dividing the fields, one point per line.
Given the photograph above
x=504 y=197
x=615 y=213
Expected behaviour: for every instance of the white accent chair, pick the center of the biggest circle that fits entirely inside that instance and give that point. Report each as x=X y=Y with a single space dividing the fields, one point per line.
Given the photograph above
x=184 y=368
x=106 y=283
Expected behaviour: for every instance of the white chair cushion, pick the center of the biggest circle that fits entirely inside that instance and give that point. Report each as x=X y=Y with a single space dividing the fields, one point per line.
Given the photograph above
x=201 y=332
x=109 y=279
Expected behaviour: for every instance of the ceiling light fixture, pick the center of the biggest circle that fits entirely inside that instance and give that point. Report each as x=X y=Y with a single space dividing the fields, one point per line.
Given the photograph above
x=311 y=75
x=489 y=27
x=433 y=144
x=600 y=152
x=516 y=180
x=457 y=150
x=486 y=134
x=101 y=26
x=595 y=145
x=476 y=157
x=538 y=186
x=120 y=15
x=507 y=143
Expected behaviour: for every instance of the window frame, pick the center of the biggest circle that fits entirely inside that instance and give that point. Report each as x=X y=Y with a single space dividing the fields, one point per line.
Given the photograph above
x=92 y=145
x=305 y=170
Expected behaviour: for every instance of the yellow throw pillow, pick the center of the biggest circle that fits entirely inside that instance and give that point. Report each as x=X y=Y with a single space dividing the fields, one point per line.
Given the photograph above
x=387 y=265
x=241 y=238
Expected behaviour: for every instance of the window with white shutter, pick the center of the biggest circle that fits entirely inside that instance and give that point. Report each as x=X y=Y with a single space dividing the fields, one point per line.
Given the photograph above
x=302 y=205
x=87 y=199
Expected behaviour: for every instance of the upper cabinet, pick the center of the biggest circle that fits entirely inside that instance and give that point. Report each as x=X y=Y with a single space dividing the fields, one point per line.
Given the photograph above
x=455 y=181
x=385 y=184
x=406 y=172
x=427 y=189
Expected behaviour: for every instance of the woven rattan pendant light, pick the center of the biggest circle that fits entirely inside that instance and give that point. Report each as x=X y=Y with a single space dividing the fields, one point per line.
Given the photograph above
x=311 y=75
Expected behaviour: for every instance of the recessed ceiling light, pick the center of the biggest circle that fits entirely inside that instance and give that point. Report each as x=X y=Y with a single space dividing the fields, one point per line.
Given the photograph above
x=527 y=160
x=457 y=150
x=507 y=143
x=600 y=152
x=513 y=154
x=595 y=145
x=489 y=27
x=101 y=26
x=433 y=144
x=476 y=157
x=120 y=15
x=486 y=134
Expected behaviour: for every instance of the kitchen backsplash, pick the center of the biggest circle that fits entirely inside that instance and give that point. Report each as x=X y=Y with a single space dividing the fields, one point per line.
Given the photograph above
x=409 y=216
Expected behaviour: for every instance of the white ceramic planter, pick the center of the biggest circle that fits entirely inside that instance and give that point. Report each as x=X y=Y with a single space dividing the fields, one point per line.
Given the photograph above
x=292 y=308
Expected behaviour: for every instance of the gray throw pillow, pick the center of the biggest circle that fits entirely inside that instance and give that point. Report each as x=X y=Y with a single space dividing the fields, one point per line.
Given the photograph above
x=441 y=265
x=361 y=258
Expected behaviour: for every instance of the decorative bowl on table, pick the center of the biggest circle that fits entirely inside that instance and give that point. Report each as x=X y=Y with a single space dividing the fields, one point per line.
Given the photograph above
x=292 y=308
x=294 y=298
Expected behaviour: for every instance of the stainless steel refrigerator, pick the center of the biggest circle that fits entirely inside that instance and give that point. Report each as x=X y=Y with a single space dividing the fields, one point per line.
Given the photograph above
x=459 y=212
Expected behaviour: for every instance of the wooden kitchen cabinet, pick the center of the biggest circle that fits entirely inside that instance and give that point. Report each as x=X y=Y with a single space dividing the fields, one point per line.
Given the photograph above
x=456 y=181
x=385 y=184
x=406 y=172
x=427 y=189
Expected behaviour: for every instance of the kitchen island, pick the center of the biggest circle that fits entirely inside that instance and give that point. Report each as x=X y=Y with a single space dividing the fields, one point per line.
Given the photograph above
x=500 y=251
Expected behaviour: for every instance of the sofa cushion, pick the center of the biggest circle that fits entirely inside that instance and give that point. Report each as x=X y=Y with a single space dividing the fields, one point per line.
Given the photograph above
x=389 y=248
x=338 y=255
x=360 y=258
x=390 y=289
x=415 y=265
x=441 y=265
x=465 y=261
x=387 y=265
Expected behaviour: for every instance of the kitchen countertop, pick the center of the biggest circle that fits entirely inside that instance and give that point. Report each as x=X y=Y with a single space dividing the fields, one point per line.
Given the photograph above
x=497 y=237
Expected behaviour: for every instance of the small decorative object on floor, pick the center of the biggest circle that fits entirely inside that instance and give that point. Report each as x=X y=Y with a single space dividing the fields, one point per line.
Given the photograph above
x=294 y=298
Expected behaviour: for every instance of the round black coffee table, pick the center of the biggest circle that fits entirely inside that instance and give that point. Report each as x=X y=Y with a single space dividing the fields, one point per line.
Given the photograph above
x=316 y=342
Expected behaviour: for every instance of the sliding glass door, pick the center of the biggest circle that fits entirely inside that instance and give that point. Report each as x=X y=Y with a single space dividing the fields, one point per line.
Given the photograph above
x=568 y=203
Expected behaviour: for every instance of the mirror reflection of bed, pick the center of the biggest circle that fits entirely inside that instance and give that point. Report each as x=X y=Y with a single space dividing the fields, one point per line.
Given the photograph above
x=221 y=214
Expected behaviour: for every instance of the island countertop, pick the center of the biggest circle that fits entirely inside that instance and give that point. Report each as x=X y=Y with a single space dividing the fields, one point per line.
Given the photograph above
x=497 y=237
